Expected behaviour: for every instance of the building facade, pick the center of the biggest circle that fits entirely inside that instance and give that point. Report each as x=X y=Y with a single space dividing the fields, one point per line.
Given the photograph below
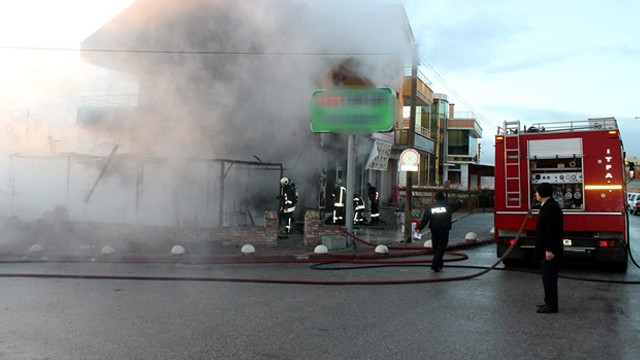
x=463 y=168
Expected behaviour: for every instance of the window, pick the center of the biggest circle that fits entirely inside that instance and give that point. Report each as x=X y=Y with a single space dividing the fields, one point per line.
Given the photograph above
x=458 y=142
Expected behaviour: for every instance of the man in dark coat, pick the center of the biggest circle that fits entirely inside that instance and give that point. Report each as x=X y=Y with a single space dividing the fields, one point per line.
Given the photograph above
x=549 y=247
x=438 y=216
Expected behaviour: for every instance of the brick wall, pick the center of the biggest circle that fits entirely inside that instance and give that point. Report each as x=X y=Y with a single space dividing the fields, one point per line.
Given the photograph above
x=257 y=235
x=314 y=229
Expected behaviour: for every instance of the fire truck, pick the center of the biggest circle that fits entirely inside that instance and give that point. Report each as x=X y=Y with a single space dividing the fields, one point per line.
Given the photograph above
x=584 y=163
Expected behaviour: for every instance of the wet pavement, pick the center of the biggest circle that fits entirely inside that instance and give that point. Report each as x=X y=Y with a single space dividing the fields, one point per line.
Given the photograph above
x=286 y=310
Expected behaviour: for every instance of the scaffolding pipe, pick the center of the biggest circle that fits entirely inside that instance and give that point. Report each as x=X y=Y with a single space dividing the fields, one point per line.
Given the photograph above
x=102 y=171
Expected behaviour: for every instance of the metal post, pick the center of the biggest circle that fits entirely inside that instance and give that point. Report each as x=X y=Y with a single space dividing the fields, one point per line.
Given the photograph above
x=351 y=176
x=139 y=181
x=68 y=181
x=408 y=201
x=221 y=204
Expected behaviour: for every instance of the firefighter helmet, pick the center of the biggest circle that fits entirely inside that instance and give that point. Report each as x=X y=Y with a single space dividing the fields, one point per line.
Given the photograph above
x=284 y=181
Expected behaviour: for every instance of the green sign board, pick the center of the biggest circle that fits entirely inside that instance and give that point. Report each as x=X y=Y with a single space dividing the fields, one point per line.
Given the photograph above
x=353 y=110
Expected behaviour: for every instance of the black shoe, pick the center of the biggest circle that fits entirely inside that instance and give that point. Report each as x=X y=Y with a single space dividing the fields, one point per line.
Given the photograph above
x=540 y=305
x=435 y=269
x=547 y=310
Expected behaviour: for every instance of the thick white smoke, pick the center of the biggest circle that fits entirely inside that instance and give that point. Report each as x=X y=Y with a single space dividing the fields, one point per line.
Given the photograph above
x=223 y=79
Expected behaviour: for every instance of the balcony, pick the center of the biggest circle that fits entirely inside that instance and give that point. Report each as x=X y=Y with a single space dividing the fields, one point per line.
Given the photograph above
x=422 y=139
x=465 y=121
x=423 y=91
x=107 y=110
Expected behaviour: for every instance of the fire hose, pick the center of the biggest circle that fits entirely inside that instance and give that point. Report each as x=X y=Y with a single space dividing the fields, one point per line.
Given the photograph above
x=459 y=256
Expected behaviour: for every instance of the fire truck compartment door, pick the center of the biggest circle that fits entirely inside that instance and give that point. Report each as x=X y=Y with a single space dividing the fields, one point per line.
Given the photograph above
x=552 y=148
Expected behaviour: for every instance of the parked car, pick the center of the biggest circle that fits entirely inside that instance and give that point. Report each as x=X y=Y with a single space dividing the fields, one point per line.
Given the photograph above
x=633 y=203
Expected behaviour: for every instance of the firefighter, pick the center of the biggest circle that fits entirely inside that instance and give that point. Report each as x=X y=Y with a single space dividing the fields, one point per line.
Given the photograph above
x=288 y=200
x=358 y=210
x=339 y=210
x=339 y=196
x=438 y=216
x=374 y=198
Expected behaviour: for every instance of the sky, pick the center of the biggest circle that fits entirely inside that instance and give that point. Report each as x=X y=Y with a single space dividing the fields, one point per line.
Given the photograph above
x=543 y=61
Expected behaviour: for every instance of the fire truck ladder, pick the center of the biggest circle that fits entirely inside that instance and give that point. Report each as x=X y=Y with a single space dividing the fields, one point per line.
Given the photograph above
x=512 y=164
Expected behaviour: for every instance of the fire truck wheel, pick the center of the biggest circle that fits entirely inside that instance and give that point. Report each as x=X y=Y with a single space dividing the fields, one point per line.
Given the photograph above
x=617 y=267
x=620 y=267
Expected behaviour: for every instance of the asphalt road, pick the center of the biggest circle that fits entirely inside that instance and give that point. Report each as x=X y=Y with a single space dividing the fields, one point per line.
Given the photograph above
x=488 y=317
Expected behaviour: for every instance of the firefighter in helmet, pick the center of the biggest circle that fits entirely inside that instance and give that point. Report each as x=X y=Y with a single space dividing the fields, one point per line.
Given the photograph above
x=374 y=198
x=358 y=210
x=339 y=197
x=339 y=203
x=288 y=200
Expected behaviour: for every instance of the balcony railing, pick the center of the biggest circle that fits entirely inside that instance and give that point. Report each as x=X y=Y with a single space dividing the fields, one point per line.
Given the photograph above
x=419 y=129
x=464 y=115
x=421 y=76
x=118 y=100
x=422 y=138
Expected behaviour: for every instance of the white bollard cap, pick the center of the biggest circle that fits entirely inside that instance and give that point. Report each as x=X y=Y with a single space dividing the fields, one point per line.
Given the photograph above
x=248 y=249
x=471 y=236
x=177 y=250
x=321 y=249
x=107 y=250
x=35 y=248
x=382 y=249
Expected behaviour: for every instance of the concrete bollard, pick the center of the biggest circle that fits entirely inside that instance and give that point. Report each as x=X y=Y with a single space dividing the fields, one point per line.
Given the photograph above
x=35 y=249
x=321 y=249
x=248 y=249
x=107 y=250
x=177 y=250
x=471 y=237
x=382 y=250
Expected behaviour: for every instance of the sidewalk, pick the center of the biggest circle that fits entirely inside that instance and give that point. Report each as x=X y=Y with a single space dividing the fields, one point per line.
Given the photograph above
x=392 y=236
x=361 y=245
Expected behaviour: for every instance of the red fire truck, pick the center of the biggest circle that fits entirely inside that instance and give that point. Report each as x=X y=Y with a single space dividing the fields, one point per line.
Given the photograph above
x=584 y=162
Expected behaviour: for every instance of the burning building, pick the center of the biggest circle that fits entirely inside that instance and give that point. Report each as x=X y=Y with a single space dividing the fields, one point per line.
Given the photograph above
x=229 y=82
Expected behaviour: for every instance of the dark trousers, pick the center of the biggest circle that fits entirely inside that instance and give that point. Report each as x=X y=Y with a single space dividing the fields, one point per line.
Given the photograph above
x=375 y=211
x=550 y=282
x=439 y=241
x=287 y=218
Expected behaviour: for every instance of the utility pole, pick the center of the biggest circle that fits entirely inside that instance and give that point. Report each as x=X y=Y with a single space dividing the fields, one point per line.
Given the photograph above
x=408 y=201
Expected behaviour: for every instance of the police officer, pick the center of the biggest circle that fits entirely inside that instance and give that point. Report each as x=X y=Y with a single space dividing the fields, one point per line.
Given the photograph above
x=438 y=216
x=288 y=200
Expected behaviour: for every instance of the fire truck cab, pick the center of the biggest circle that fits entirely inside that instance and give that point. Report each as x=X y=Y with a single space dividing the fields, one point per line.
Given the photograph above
x=584 y=162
